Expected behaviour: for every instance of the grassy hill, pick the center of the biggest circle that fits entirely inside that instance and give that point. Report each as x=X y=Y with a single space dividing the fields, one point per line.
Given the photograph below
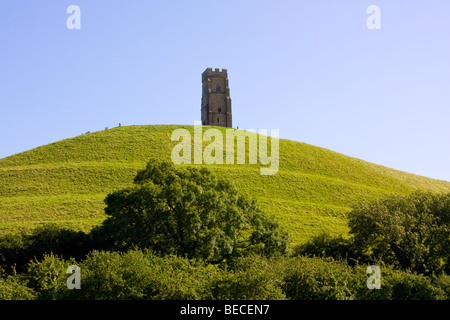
x=65 y=182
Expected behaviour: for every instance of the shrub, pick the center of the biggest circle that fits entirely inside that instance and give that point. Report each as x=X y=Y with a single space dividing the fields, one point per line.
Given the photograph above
x=142 y=275
x=442 y=283
x=251 y=278
x=325 y=245
x=318 y=279
x=13 y=288
x=411 y=232
x=48 y=277
x=16 y=250
x=67 y=243
x=397 y=285
x=183 y=279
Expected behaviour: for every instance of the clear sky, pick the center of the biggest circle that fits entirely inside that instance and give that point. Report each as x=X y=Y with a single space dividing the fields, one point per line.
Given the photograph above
x=311 y=69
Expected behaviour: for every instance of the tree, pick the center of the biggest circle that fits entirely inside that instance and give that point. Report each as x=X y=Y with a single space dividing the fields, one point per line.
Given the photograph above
x=16 y=250
x=412 y=232
x=188 y=212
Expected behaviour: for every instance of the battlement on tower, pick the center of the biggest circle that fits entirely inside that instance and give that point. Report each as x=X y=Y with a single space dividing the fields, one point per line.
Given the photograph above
x=209 y=72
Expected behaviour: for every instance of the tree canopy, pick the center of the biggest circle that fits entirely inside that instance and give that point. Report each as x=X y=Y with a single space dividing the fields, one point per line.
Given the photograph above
x=412 y=232
x=188 y=212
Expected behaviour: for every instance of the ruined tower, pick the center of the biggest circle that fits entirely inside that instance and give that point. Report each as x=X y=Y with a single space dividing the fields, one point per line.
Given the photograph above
x=216 y=102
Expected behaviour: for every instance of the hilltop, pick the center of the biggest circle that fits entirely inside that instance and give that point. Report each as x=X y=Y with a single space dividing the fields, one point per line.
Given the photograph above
x=65 y=182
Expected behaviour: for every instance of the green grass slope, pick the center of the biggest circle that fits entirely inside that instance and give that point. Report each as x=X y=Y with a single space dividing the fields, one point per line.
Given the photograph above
x=65 y=182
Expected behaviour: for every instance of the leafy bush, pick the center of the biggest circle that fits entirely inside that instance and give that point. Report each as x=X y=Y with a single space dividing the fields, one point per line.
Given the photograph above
x=252 y=278
x=411 y=232
x=139 y=275
x=318 y=279
x=13 y=288
x=67 y=243
x=325 y=245
x=112 y=275
x=442 y=284
x=327 y=279
x=16 y=250
x=131 y=275
x=397 y=285
x=48 y=278
x=142 y=275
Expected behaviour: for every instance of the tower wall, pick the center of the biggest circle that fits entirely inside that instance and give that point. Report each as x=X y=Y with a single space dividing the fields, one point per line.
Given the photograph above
x=216 y=102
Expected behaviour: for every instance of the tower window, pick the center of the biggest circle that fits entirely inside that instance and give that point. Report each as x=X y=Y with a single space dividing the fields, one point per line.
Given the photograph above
x=220 y=110
x=217 y=120
x=217 y=87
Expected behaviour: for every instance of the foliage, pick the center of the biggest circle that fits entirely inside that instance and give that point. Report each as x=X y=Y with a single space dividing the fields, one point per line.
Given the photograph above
x=48 y=278
x=252 y=277
x=132 y=275
x=61 y=241
x=327 y=279
x=397 y=285
x=411 y=232
x=187 y=212
x=13 y=288
x=318 y=279
x=142 y=275
x=324 y=245
x=442 y=284
x=16 y=250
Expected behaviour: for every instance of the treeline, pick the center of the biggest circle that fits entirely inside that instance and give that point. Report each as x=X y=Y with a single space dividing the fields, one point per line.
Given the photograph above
x=141 y=274
x=184 y=234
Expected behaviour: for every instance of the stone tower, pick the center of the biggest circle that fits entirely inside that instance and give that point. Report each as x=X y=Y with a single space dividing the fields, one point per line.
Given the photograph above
x=216 y=102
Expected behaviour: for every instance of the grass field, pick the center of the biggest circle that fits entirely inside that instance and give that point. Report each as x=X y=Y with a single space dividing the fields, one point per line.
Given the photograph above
x=65 y=182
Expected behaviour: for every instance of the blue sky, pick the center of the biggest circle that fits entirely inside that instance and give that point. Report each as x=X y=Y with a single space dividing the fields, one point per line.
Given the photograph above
x=311 y=69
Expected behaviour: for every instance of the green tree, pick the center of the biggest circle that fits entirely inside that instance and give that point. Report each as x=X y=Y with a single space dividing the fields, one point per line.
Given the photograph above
x=253 y=277
x=16 y=250
x=188 y=212
x=411 y=232
x=325 y=245
x=397 y=285
x=14 y=288
x=48 y=277
x=315 y=278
